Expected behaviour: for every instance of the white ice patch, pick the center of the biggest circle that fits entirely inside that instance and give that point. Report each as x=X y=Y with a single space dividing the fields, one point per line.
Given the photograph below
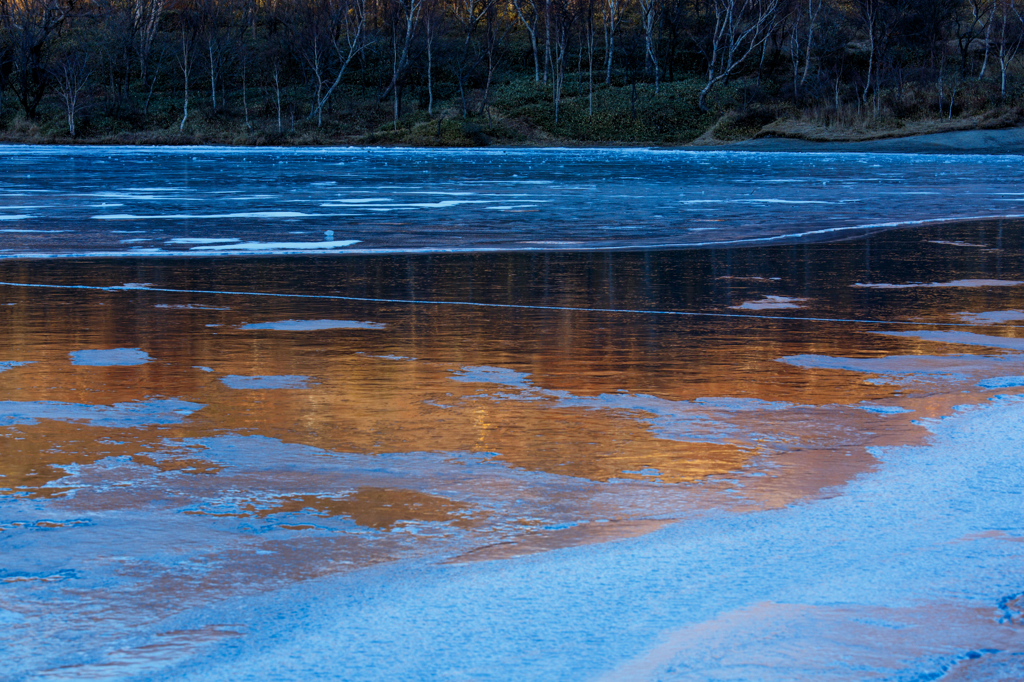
x=901 y=369
x=959 y=283
x=288 y=381
x=493 y=375
x=1002 y=382
x=698 y=421
x=313 y=325
x=966 y=338
x=963 y=244
x=771 y=303
x=114 y=357
x=4 y=366
x=187 y=306
x=202 y=240
x=118 y=415
x=201 y=216
x=992 y=317
x=882 y=409
x=278 y=246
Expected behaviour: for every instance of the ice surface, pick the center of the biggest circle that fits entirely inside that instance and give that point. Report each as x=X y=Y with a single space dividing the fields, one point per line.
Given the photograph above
x=900 y=369
x=119 y=415
x=110 y=357
x=265 y=382
x=835 y=589
x=883 y=409
x=966 y=338
x=959 y=283
x=10 y=364
x=424 y=200
x=1002 y=382
x=313 y=325
x=771 y=303
x=993 y=317
x=276 y=247
x=704 y=420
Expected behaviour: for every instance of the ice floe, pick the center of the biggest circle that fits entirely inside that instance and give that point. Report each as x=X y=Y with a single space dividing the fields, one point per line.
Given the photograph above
x=312 y=325
x=959 y=283
x=992 y=317
x=771 y=303
x=111 y=357
x=119 y=415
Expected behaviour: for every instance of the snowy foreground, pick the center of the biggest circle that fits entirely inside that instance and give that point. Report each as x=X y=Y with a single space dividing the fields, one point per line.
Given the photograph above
x=908 y=573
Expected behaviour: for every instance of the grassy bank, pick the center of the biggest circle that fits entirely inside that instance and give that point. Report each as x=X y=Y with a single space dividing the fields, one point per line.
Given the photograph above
x=517 y=112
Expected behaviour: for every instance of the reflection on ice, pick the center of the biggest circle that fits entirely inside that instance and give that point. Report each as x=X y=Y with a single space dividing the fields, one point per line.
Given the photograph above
x=265 y=382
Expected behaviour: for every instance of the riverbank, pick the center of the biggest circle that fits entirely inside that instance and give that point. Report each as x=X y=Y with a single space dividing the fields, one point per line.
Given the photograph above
x=979 y=141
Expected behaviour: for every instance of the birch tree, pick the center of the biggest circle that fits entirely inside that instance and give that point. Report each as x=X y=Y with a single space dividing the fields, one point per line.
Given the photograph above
x=739 y=29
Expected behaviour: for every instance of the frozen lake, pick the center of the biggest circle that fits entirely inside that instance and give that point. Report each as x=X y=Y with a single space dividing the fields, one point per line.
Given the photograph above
x=216 y=201
x=772 y=460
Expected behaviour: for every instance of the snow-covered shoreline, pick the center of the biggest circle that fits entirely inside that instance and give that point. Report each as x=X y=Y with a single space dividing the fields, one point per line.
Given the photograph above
x=904 y=574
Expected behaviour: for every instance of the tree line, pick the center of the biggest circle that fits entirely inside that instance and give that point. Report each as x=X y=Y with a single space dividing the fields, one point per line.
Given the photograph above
x=278 y=60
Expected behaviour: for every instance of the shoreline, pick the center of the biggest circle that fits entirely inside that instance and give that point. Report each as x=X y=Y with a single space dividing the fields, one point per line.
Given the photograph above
x=984 y=141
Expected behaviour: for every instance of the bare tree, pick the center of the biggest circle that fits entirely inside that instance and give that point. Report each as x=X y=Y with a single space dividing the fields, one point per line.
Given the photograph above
x=146 y=16
x=1011 y=33
x=972 y=20
x=563 y=14
x=71 y=76
x=529 y=12
x=468 y=14
x=611 y=14
x=813 y=10
x=30 y=28
x=433 y=23
x=648 y=17
x=186 y=60
x=405 y=23
x=348 y=24
x=739 y=28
